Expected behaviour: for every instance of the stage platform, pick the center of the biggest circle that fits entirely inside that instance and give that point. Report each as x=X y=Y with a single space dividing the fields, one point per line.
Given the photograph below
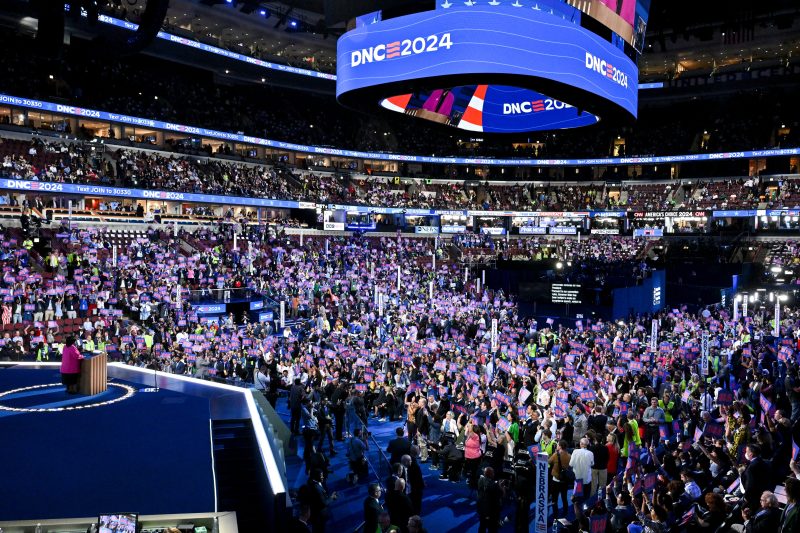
x=121 y=450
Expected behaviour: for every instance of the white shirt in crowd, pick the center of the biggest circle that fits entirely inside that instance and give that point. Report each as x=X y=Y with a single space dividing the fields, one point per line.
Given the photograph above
x=581 y=463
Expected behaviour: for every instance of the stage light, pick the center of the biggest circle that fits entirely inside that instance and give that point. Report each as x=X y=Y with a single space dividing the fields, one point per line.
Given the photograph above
x=559 y=265
x=263 y=12
x=293 y=24
x=228 y=1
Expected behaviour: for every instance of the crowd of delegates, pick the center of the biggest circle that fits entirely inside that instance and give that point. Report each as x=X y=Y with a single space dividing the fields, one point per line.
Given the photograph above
x=658 y=440
x=156 y=89
x=76 y=162
x=661 y=440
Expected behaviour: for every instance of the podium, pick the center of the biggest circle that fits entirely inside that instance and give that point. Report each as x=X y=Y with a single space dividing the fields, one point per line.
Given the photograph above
x=94 y=374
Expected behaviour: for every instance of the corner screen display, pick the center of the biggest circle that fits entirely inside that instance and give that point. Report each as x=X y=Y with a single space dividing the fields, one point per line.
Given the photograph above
x=626 y=18
x=490 y=109
x=555 y=293
x=117 y=523
x=565 y=293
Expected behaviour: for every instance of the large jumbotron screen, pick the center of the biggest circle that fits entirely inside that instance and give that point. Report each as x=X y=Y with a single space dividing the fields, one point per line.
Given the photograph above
x=499 y=66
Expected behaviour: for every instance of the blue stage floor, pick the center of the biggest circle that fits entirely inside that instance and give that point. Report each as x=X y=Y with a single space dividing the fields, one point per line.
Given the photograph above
x=149 y=453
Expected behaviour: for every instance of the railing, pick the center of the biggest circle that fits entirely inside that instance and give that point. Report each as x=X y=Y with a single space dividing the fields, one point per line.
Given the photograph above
x=220 y=295
x=377 y=460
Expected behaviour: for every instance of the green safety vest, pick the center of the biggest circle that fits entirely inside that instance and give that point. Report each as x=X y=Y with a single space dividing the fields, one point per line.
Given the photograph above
x=549 y=448
x=667 y=408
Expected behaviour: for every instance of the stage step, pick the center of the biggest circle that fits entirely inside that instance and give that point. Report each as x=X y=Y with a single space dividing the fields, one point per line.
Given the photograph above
x=237 y=467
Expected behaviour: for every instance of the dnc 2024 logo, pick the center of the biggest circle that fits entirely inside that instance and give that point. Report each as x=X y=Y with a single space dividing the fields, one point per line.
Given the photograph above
x=606 y=69
x=402 y=48
x=535 y=106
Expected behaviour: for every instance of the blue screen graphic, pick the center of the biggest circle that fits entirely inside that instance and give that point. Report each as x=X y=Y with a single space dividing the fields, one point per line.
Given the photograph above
x=530 y=48
x=502 y=109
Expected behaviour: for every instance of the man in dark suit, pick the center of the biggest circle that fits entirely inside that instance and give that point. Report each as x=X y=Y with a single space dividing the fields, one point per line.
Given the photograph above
x=313 y=494
x=490 y=501
x=300 y=523
x=767 y=519
x=372 y=508
x=756 y=477
x=338 y=399
x=398 y=447
x=296 y=395
x=789 y=518
x=399 y=504
x=415 y=479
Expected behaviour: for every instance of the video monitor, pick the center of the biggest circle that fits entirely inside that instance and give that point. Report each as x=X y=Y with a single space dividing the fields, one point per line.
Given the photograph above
x=118 y=523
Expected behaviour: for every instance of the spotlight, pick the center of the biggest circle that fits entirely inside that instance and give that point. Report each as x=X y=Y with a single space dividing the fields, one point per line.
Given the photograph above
x=293 y=24
x=559 y=265
x=263 y=12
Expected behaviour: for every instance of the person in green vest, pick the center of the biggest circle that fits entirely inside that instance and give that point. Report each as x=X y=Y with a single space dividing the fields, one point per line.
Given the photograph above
x=532 y=347
x=513 y=429
x=88 y=345
x=667 y=404
x=631 y=430
x=546 y=443
x=101 y=344
x=42 y=353
x=27 y=243
x=148 y=339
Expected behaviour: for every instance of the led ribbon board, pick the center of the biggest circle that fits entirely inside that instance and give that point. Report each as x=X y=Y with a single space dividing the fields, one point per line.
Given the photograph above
x=503 y=70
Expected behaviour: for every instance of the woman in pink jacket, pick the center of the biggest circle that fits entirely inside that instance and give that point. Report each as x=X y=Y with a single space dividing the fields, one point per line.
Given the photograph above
x=472 y=454
x=70 y=365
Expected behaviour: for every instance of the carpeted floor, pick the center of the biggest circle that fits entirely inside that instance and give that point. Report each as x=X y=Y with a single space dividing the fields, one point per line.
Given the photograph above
x=446 y=507
x=149 y=454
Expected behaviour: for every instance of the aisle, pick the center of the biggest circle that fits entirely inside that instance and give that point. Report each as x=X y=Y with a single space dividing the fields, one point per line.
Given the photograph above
x=446 y=507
